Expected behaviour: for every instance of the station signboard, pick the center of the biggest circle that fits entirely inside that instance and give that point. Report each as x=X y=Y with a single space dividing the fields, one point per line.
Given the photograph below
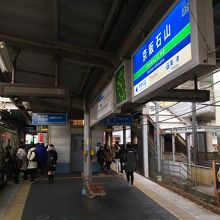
x=119 y=120
x=78 y=123
x=49 y=118
x=31 y=130
x=103 y=104
x=178 y=49
x=122 y=84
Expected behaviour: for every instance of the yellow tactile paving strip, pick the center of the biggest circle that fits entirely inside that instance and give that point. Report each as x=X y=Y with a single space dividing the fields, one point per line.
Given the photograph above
x=15 y=210
x=169 y=206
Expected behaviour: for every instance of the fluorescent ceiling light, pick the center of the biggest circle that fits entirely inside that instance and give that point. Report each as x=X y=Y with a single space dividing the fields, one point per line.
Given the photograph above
x=4 y=99
x=5 y=60
x=7 y=104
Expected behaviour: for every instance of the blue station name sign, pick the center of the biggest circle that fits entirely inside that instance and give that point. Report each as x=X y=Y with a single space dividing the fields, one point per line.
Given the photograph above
x=165 y=50
x=119 y=120
x=49 y=118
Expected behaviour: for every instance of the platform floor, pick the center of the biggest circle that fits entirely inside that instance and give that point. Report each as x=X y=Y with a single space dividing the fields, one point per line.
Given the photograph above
x=63 y=201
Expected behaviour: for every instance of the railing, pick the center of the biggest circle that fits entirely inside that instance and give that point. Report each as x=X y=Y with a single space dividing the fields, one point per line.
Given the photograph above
x=194 y=179
x=179 y=157
x=174 y=168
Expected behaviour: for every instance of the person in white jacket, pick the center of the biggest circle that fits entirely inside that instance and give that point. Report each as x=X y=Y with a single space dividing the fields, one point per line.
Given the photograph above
x=32 y=164
x=22 y=156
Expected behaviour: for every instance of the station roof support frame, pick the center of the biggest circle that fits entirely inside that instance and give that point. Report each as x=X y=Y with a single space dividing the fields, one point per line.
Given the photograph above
x=184 y=95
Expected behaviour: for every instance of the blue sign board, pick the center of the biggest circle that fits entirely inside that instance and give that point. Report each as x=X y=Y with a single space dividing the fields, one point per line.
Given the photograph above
x=49 y=118
x=165 y=50
x=119 y=120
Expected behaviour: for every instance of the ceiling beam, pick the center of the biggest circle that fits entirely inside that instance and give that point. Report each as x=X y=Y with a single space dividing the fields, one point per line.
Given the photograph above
x=35 y=73
x=17 y=89
x=149 y=11
x=85 y=80
x=89 y=56
x=56 y=19
x=184 y=95
x=100 y=41
x=107 y=22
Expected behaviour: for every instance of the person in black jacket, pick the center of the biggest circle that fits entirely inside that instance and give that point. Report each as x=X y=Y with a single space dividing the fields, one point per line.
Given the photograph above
x=101 y=158
x=130 y=161
x=51 y=159
x=122 y=158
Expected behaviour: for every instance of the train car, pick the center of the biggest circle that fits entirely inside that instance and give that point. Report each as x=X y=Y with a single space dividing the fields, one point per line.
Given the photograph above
x=9 y=138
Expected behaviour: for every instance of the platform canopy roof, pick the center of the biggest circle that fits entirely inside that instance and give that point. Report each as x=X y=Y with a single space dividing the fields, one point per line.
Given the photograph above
x=74 y=45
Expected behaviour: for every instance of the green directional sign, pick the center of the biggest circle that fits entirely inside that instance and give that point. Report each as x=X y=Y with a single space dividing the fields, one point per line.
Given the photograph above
x=120 y=85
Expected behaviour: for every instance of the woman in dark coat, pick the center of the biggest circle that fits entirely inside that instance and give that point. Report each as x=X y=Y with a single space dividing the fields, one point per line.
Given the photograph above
x=122 y=158
x=51 y=162
x=130 y=161
x=101 y=157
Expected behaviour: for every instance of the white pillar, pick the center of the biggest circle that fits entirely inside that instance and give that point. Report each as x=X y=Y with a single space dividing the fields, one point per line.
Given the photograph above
x=162 y=146
x=188 y=148
x=145 y=141
x=86 y=159
x=216 y=78
x=173 y=147
x=194 y=130
x=158 y=136
x=216 y=88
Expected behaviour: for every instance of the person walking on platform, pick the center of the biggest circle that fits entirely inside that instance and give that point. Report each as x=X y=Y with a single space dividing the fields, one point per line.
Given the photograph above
x=51 y=159
x=108 y=157
x=130 y=161
x=101 y=158
x=8 y=163
x=41 y=158
x=32 y=163
x=116 y=149
x=122 y=158
x=22 y=156
x=16 y=166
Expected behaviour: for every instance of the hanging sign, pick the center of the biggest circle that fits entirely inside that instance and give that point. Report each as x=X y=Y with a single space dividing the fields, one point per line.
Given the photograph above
x=49 y=118
x=173 y=48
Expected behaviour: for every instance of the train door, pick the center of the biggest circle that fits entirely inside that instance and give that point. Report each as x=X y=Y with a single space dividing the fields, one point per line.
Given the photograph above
x=76 y=159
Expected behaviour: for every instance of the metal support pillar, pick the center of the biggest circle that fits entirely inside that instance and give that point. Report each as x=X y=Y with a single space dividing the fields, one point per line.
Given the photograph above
x=13 y=73
x=173 y=147
x=194 y=131
x=158 y=137
x=57 y=72
x=162 y=146
x=194 y=127
x=145 y=142
x=86 y=159
x=124 y=135
x=188 y=148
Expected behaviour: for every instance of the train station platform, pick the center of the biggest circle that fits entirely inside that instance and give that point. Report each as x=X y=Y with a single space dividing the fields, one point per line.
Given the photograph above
x=63 y=200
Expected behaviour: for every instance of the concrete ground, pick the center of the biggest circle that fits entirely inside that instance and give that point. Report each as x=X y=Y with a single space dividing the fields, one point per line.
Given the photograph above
x=63 y=200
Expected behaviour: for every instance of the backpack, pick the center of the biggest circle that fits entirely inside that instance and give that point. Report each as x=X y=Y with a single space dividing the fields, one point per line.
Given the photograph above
x=51 y=159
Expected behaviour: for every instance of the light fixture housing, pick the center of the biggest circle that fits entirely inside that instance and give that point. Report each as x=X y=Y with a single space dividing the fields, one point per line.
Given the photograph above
x=5 y=60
